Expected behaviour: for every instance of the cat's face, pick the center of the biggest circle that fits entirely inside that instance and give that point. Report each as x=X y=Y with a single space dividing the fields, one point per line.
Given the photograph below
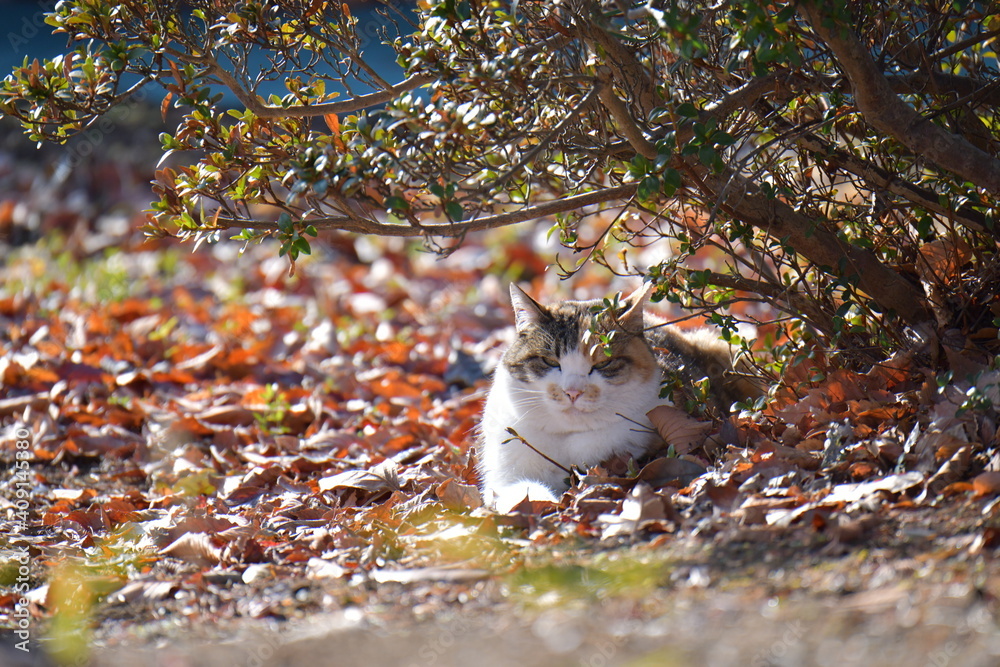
x=561 y=368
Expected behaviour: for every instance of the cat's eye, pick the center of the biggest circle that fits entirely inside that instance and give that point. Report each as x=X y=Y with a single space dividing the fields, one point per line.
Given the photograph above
x=606 y=364
x=541 y=362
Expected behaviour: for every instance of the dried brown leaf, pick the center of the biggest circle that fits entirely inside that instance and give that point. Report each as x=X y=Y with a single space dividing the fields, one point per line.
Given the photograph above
x=987 y=484
x=641 y=509
x=678 y=428
x=325 y=568
x=383 y=477
x=942 y=259
x=668 y=470
x=197 y=548
x=227 y=415
x=149 y=590
x=414 y=575
x=457 y=495
x=953 y=470
x=849 y=493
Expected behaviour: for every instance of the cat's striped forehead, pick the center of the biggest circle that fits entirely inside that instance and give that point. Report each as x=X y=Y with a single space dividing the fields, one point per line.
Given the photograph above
x=566 y=329
x=556 y=332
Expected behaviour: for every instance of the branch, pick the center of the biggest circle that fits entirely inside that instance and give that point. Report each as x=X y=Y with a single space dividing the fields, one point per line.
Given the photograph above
x=983 y=38
x=886 y=112
x=623 y=119
x=628 y=72
x=261 y=110
x=744 y=201
x=979 y=92
x=743 y=97
x=879 y=178
x=776 y=217
x=784 y=298
x=740 y=98
x=530 y=446
x=544 y=143
x=453 y=229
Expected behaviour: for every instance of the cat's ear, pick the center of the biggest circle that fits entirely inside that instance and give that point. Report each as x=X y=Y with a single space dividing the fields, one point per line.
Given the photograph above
x=527 y=311
x=631 y=316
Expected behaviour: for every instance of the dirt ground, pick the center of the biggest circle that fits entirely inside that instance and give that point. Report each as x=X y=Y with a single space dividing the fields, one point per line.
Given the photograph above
x=918 y=590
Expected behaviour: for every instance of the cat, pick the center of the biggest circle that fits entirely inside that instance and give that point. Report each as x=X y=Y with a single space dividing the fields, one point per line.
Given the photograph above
x=578 y=398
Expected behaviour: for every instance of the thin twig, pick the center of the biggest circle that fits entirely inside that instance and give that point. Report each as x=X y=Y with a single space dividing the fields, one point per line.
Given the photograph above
x=643 y=428
x=544 y=142
x=261 y=110
x=535 y=450
x=980 y=38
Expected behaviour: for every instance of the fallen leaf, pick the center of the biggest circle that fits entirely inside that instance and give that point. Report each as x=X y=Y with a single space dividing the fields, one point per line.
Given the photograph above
x=227 y=415
x=197 y=548
x=986 y=484
x=952 y=470
x=139 y=590
x=11 y=406
x=383 y=477
x=850 y=493
x=797 y=457
x=678 y=428
x=723 y=496
x=670 y=471
x=941 y=259
x=457 y=495
x=641 y=509
x=324 y=568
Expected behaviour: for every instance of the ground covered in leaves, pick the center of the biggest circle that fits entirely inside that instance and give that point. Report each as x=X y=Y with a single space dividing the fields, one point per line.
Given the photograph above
x=210 y=461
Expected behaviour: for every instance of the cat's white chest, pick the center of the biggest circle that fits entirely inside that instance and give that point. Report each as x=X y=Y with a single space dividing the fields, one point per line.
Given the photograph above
x=567 y=435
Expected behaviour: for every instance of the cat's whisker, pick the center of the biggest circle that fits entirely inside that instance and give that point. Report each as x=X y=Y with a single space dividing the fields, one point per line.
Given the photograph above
x=530 y=401
x=531 y=392
x=524 y=415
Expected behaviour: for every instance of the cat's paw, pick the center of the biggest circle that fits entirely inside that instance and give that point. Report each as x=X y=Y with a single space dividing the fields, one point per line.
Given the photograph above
x=507 y=497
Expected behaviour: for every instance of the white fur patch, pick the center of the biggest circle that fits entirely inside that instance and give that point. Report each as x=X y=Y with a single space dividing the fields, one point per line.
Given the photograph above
x=605 y=419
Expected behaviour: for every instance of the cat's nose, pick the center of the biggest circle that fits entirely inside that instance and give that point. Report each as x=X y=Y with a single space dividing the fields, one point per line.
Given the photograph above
x=573 y=394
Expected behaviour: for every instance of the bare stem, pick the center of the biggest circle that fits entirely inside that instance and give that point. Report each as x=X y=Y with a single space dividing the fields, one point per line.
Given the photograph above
x=535 y=450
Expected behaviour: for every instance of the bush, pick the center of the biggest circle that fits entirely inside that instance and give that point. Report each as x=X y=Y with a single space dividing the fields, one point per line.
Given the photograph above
x=841 y=156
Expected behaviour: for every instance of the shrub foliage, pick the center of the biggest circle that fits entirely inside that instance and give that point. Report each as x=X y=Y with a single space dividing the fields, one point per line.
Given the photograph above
x=841 y=155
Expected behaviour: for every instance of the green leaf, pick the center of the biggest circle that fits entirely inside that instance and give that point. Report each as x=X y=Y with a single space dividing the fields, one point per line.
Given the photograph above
x=671 y=182
x=455 y=211
x=648 y=187
x=396 y=203
x=723 y=139
x=707 y=155
x=687 y=110
x=285 y=223
x=639 y=166
x=168 y=141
